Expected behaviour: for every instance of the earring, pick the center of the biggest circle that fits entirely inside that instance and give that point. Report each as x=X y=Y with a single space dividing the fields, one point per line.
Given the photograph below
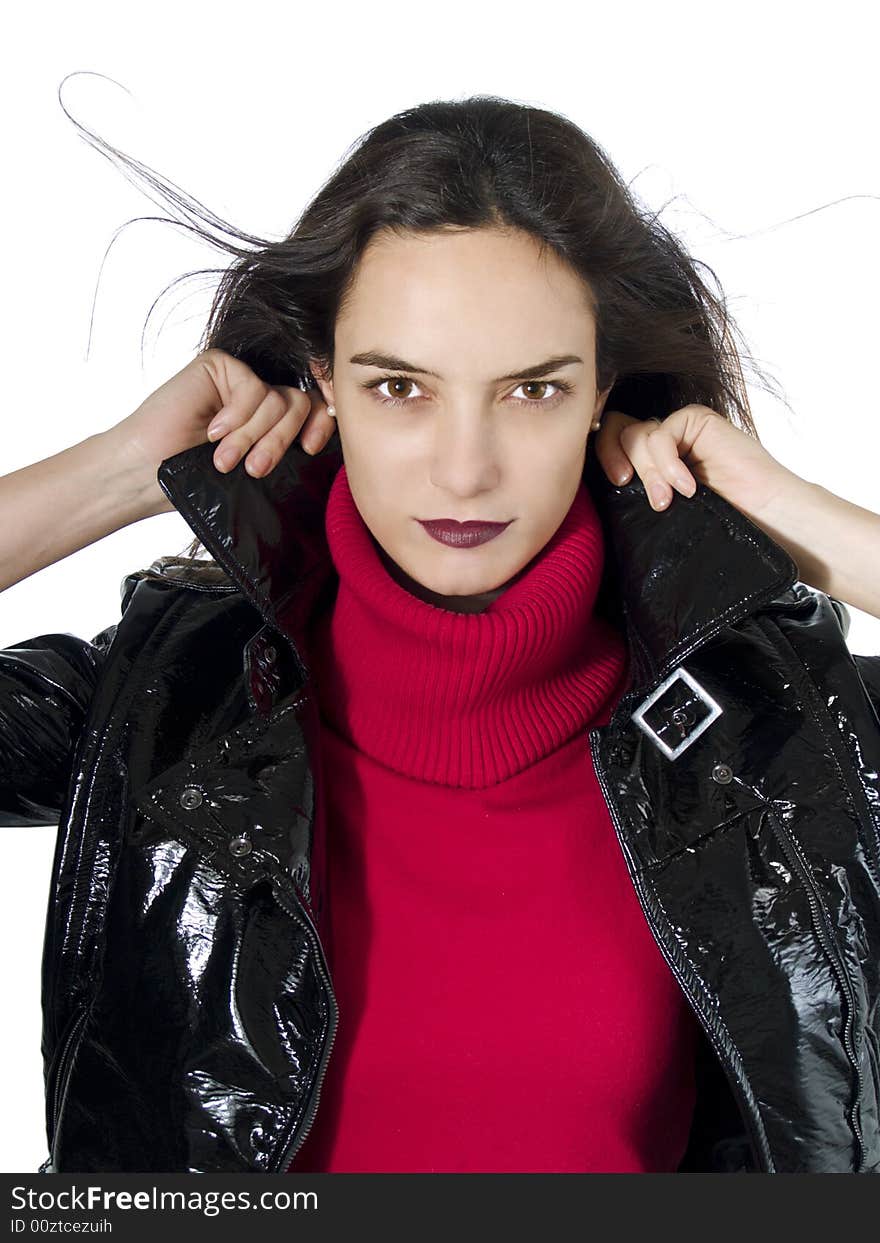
x=331 y=410
x=596 y=424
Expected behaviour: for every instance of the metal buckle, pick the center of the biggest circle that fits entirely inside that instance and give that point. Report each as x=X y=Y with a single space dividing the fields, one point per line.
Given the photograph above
x=703 y=695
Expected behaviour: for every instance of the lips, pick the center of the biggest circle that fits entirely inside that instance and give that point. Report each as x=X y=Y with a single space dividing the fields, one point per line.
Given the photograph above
x=462 y=534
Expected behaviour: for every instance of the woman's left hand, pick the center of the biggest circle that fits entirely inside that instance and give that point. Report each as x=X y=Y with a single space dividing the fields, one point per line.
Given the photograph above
x=692 y=445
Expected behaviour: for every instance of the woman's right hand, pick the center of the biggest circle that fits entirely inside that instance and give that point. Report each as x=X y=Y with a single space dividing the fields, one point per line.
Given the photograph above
x=260 y=421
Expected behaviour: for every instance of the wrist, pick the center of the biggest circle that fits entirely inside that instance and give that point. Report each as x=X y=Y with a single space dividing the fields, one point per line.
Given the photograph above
x=833 y=542
x=130 y=480
x=796 y=517
x=789 y=500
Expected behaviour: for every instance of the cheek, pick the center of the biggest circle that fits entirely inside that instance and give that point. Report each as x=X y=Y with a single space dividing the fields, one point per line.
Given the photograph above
x=547 y=472
x=380 y=495
x=555 y=445
x=374 y=449
x=547 y=494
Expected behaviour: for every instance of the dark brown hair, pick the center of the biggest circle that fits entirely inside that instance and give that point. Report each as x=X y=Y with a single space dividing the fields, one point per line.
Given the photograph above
x=472 y=163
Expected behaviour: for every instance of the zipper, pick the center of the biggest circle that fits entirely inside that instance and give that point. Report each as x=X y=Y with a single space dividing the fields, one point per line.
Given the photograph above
x=820 y=921
x=837 y=747
x=821 y=918
x=62 y=1075
x=302 y=918
x=754 y=1126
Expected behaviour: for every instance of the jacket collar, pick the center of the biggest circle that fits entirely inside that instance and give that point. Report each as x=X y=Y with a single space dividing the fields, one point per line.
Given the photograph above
x=672 y=578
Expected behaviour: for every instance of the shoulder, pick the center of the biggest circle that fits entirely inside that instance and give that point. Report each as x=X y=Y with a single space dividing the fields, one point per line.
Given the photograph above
x=190 y=573
x=195 y=588
x=813 y=627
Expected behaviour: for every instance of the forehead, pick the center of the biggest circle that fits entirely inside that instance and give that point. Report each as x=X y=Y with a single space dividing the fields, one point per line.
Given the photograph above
x=458 y=293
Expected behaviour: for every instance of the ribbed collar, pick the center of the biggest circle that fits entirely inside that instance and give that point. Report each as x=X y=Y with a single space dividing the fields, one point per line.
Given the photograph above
x=465 y=699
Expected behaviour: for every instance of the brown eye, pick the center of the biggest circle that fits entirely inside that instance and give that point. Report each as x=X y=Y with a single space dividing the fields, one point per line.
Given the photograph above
x=396 y=383
x=561 y=388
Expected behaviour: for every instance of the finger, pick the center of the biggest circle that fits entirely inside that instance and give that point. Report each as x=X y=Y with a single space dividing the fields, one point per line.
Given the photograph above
x=244 y=396
x=666 y=452
x=612 y=458
x=313 y=434
x=653 y=451
x=249 y=416
x=314 y=431
x=271 y=447
x=319 y=426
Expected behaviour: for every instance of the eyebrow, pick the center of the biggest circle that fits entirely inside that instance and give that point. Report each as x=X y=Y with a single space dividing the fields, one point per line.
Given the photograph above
x=388 y=362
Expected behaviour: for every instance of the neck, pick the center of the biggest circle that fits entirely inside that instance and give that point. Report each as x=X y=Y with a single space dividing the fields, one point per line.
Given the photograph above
x=464 y=701
x=456 y=604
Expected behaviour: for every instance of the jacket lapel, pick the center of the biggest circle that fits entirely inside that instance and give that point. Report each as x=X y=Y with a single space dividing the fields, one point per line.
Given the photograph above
x=674 y=578
x=682 y=573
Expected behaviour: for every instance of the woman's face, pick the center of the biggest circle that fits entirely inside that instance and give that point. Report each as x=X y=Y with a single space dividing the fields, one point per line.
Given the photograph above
x=448 y=408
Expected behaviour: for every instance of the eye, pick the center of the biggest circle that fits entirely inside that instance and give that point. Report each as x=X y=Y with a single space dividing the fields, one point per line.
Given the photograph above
x=560 y=385
x=399 y=380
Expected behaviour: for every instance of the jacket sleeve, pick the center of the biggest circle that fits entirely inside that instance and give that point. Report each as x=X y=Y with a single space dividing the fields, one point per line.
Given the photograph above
x=868 y=666
x=869 y=671
x=46 y=686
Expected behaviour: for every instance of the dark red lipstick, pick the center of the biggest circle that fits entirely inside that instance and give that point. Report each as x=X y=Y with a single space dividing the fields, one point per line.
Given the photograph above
x=462 y=534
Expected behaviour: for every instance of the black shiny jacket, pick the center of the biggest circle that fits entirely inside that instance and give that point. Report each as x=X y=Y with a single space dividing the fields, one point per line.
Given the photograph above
x=188 y=1011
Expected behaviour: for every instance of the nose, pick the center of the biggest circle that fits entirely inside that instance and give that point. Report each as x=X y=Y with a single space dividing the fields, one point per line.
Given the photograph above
x=464 y=453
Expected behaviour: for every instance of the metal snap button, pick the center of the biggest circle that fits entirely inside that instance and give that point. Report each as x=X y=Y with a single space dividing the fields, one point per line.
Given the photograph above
x=270 y=654
x=240 y=845
x=191 y=798
x=681 y=716
x=722 y=773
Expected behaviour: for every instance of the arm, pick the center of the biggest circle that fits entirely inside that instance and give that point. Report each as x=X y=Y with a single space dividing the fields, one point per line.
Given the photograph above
x=46 y=686
x=47 y=511
x=63 y=503
x=835 y=543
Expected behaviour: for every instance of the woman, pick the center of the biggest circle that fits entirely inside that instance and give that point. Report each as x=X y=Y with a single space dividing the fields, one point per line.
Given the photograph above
x=467 y=812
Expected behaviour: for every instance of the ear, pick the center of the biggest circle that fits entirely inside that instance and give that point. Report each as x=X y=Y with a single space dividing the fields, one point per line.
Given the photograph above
x=319 y=372
x=601 y=398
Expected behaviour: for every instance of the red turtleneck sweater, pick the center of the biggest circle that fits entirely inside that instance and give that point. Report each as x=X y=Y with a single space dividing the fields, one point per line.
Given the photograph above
x=502 y=1003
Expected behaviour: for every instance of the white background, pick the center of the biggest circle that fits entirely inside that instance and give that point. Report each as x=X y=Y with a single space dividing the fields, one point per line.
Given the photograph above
x=750 y=117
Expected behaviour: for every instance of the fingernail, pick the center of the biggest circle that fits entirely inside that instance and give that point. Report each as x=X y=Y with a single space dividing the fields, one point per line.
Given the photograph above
x=217 y=428
x=226 y=457
x=256 y=463
x=659 y=497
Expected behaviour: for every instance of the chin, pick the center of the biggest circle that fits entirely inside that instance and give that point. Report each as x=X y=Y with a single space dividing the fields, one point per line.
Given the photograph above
x=457 y=586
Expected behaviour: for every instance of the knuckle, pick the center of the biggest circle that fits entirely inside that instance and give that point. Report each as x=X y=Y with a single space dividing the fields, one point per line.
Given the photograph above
x=276 y=403
x=270 y=446
x=629 y=433
x=243 y=438
x=255 y=388
x=293 y=419
x=293 y=396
